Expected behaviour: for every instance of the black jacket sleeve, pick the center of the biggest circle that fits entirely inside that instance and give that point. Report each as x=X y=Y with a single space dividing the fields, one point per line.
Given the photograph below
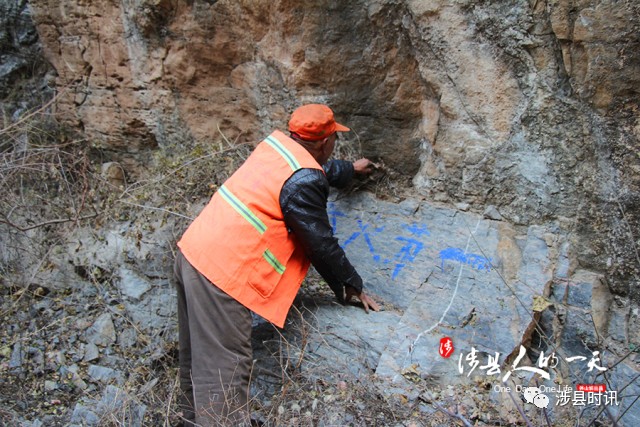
x=339 y=172
x=303 y=200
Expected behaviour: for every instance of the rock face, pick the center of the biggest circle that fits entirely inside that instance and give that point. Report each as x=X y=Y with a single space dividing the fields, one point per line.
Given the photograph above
x=18 y=48
x=528 y=107
x=518 y=118
x=492 y=288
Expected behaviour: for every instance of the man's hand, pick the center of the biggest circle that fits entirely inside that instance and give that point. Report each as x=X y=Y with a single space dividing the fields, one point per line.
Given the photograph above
x=363 y=166
x=366 y=301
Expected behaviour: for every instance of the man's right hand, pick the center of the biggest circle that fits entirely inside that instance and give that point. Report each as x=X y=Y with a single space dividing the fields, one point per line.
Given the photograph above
x=363 y=166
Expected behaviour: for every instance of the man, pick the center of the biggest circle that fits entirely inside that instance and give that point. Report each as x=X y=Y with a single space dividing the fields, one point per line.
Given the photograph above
x=249 y=250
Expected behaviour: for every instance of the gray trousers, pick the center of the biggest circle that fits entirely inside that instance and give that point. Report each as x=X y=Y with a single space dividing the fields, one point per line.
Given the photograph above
x=215 y=351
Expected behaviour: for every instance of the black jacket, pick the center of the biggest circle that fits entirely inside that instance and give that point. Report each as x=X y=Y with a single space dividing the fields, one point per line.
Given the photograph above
x=303 y=200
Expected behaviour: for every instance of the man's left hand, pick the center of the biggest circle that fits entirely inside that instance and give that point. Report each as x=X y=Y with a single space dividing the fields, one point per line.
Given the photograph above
x=366 y=301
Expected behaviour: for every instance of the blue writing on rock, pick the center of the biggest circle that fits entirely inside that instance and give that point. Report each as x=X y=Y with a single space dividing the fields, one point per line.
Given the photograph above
x=474 y=260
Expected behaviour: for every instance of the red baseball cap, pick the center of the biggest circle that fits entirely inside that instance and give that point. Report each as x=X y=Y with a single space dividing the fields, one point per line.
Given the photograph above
x=314 y=122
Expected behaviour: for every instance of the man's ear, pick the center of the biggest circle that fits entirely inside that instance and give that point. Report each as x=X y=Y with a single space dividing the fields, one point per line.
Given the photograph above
x=321 y=144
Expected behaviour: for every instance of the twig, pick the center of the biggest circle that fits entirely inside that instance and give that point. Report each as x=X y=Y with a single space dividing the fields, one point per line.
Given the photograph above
x=633 y=380
x=66 y=182
x=544 y=410
x=625 y=411
x=224 y=137
x=621 y=360
x=304 y=338
x=452 y=415
x=42 y=224
x=33 y=113
x=622 y=389
x=519 y=408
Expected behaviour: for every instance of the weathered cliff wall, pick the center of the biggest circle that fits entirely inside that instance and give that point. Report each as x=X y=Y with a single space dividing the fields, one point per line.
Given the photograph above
x=529 y=106
x=524 y=111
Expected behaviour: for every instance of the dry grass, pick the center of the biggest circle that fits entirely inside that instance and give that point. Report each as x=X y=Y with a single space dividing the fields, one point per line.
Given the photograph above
x=384 y=182
x=51 y=186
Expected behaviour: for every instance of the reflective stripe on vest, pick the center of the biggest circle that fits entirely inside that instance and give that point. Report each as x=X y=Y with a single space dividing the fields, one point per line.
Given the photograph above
x=271 y=259
x=252 y=218
x=282 y=150
x=242 y=209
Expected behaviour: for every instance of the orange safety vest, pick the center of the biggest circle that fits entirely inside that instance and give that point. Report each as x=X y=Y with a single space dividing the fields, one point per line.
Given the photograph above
x=240 y=241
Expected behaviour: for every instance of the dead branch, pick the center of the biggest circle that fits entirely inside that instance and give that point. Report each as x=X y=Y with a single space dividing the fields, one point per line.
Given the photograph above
x=520 y=410
x=49 y=222
x=457 y=416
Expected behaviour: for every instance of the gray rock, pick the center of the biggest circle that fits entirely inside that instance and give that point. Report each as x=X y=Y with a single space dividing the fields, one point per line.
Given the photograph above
x=154 y=311
x=50 y=385
x=72 y=372
x=433 y=271
x=578 y=333
x=11 y=66
x=34 y=423
x=579 y=295
x=553 y=141
x=101 y=332
x=559 y=292
x=618 y=324
x=624 y=381
x=116 y=400
x=127 y=338
x=91 y=352
x=491 y=212
x=36 y=359
x=84 y=416
x=132 y=285
x=566 y=260
x=103 y=373
x=16 y=356
x=56 y=359
x=115 y=403
x=464 y=207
